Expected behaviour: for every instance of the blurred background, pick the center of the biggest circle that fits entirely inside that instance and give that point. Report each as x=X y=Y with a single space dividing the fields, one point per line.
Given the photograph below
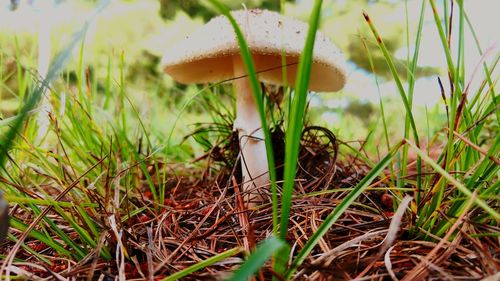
x=124 y=44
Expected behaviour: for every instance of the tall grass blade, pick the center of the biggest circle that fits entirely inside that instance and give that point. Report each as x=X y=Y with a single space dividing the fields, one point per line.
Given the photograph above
x=442 y=36
x=381 y=104
x=395 y=75
x=411 y=87
x=294 y=130
x=296 y=116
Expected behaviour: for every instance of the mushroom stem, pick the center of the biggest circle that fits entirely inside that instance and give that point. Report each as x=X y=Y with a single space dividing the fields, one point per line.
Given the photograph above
x=253 y=149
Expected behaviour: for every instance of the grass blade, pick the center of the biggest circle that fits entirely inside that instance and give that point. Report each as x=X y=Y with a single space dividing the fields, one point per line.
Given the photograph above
x=17 y=224
x=257 y=259
x=32 y=100
x=296 y=116
x=294 y=130
x=494 y=214
x=339 y=210
x=394 y=73
x=208 y=262
x=444 y=41
x=411 y=87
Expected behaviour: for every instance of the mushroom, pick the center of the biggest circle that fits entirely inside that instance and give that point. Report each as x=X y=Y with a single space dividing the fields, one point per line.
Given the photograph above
x=211 y=54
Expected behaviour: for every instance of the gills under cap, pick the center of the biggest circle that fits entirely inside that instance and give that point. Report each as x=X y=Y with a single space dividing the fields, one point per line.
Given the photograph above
x=207 y=55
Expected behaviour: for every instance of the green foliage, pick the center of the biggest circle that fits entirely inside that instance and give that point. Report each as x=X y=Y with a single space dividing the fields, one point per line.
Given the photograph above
x=106 y=145
x=340 y=209
x=340 y=25
x=256 y=260
x=458 y=154
x=198 y=266
x=195 y=8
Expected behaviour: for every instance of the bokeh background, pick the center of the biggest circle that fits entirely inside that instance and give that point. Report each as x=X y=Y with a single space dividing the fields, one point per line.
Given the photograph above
x=129 y=37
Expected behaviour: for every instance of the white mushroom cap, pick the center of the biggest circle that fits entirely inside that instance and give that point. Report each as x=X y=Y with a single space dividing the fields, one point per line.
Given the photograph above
x=206 y=55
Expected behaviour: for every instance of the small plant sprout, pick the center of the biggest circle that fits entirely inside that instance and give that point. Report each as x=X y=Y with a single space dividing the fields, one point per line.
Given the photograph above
x=211 y=54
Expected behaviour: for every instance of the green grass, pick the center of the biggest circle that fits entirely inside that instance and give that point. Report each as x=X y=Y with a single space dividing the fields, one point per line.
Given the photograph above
x=257 y=259
x=220 y=257
x=99 y=158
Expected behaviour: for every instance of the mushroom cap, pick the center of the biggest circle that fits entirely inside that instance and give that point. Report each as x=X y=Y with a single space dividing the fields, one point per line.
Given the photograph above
x=207 y=54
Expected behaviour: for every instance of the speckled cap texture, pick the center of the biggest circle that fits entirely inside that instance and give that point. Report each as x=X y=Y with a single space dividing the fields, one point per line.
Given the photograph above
x=207 y=55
